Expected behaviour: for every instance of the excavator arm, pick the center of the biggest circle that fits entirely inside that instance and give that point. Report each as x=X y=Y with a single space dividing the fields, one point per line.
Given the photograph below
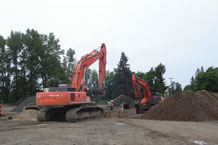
x=147 y=94
x=84 y=64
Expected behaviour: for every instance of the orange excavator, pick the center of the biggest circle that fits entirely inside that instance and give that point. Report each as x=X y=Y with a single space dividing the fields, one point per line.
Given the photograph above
x=69 y=102
x=148 y=100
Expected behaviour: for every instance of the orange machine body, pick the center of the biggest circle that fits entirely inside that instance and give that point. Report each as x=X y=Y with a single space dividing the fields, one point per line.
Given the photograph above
x=61 y=98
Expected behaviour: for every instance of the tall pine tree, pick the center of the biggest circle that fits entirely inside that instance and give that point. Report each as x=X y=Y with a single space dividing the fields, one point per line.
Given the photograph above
x=15 y=47
x=5 y=71
x=123 y=78
x=159 y=81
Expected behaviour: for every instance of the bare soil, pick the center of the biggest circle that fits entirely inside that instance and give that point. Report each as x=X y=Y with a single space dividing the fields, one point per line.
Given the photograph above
x=24 y=129
x=186 y=106
x=108 y=131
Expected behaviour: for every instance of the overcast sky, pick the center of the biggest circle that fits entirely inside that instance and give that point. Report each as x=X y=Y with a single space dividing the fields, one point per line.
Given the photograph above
x=181 y=34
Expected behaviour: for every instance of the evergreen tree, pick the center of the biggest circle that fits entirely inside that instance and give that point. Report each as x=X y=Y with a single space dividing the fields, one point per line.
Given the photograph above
x=5 y=71
x=28 y=63
x=159 y=81
x=177 y=87
x=109 y=83
x=33 y=46
x=192 y=83
x=123 y=78
x=91 y=80
x=202 y=69
x=197 y=72
x=207 y=80
x=150 y=79
x=204 y=80
x=51 y=69
x=187 y=88
x=15 y=47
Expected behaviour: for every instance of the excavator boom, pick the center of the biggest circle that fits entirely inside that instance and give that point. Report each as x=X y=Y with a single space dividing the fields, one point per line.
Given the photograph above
x=147 y=94
x=144 y=103
x=84 y=64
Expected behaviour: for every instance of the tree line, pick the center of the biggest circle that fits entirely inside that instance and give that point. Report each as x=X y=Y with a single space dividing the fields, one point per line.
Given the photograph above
x=204 y=80
x=32 y=61
x=119 y=80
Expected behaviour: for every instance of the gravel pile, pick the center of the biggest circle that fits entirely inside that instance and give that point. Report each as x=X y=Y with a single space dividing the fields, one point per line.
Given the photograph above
x=122 y=99
x=20 y=107
x=26 y=115
x=186 y=106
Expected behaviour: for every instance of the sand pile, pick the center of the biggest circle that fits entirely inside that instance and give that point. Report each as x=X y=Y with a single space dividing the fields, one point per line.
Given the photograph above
x=186 y=106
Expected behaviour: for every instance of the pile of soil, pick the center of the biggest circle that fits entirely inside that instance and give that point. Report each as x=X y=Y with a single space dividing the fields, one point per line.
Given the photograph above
x=122 y=99
x=27 y=115
x=19 y=108
x=186 y=106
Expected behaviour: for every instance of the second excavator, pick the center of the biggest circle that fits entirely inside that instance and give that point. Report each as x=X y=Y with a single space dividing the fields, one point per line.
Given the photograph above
x=70 y=102
x=147 y=100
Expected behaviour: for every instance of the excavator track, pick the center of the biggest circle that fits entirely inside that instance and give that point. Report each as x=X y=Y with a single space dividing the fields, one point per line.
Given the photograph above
x=70 y=113
x=41 y=116
x=83 y=113
x=44 y=115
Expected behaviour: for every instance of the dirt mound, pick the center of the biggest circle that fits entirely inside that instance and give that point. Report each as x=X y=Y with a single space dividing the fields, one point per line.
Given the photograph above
x=26 y=115
x=186 y=106
x=19 y=108
x=122 y=99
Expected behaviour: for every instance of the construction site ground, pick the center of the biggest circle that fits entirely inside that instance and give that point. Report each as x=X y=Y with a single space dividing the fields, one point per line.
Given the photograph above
x=108 y=131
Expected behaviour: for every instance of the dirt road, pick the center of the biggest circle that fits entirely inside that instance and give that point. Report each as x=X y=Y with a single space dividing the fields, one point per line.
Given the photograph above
x=108 y=131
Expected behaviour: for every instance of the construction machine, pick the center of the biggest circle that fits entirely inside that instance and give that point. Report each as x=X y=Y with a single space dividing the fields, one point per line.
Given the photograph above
x=148 y=99
x=70 y=102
